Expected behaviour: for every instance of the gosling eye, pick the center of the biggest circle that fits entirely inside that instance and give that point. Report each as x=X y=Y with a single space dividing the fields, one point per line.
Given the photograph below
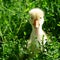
x=31 y=17
x=40 y=17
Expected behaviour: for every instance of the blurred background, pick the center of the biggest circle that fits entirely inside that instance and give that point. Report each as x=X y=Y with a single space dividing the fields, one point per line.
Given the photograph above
x=15 y=29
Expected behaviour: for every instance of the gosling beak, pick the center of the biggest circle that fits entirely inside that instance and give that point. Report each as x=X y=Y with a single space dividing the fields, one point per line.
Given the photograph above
x=36 y=23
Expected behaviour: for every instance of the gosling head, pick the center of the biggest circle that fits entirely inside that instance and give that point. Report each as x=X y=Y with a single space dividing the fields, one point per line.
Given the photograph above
x=37 y=17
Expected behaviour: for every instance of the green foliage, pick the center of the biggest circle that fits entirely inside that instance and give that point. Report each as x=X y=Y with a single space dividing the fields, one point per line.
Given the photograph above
x=15 y=29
